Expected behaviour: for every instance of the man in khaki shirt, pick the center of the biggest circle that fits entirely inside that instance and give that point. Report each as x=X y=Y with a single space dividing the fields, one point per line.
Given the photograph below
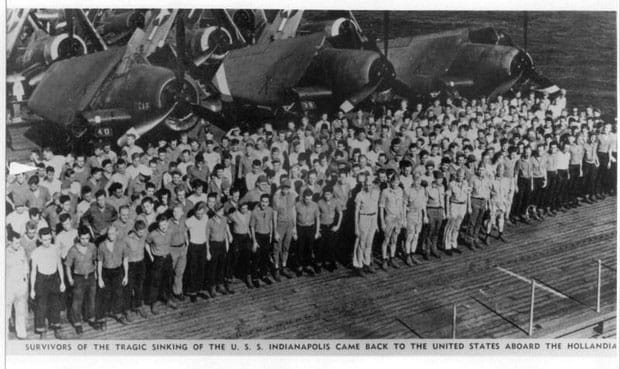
x=392 y=218
x=284 y=209
x=366 y=206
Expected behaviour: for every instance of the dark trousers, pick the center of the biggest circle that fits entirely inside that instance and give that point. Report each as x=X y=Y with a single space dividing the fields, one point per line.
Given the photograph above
x=110 y=297
x=590 y=176
x=562 y=188
x=604 y=174
x=538 y=198
x=305 y=239
x=47 y=301
x=433 y=229
x=196 y=266
x=575 y=183
x=160 y=285
x=134 y=291
x=613 y=174
x=549 y=195
x=246 y=259
x=327 y=245
x=84 y=294
x=263 y=266
x=476 y=218
x=524 y=195
x=232 y=258
x=216 y=267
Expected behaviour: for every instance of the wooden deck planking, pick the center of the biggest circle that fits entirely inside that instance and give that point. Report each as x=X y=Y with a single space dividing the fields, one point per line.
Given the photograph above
x=337 y=305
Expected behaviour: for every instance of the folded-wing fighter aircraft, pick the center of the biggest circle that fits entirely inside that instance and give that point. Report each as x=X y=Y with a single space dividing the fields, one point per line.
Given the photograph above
x=36 y=39
x=109 y=94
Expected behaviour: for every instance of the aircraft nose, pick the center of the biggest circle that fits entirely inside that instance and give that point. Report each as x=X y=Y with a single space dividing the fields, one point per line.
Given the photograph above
x=380 y=69
x=522 y=62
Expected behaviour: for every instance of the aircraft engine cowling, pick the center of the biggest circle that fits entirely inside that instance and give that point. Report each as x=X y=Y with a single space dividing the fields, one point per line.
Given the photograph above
x=490 y=65
x=350 y=70
x=204 y=39
x=245 y=20
x=342 y=27
x=48 y=49
x=123 y=22
x=150 y=90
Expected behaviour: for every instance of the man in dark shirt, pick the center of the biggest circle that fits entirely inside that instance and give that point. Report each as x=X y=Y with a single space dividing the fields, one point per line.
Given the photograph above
x=158 y=248
x=262 y=224
x=80 y=266
x=99 y=216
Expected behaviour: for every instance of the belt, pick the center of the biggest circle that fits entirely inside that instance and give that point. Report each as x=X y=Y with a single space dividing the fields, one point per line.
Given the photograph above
x=85 y=276
x=479 y=198
x=434 y=207
x=179 y=245
x=458 y=202
x=368 y=214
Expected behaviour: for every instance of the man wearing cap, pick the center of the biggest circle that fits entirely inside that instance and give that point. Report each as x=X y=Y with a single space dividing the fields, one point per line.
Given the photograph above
x=138 y=183
x=284 y=213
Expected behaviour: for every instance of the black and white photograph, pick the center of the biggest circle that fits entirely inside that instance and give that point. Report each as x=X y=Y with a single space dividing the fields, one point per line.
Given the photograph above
x=293 y=175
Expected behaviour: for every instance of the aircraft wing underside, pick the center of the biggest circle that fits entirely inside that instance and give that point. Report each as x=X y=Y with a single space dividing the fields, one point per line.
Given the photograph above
x=269 y=70
x=69 y=85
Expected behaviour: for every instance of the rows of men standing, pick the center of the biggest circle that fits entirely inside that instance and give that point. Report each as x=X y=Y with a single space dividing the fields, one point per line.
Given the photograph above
x=120 y=235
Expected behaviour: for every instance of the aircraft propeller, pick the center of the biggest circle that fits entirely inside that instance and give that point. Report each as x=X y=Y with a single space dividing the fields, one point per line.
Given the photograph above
x=213 y=105
x=525 y=24
x=387 y=74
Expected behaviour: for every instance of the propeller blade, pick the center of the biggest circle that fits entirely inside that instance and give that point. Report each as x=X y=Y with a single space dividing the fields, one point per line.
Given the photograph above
x=401 y=88
x=211 y=112
x=198 y=61
x=359 y=96
x=145 y=127
x=70 y=28
x=542 y=83
x=181 y=57
x=386 y=31
x=504 y=87
x=525 y=23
